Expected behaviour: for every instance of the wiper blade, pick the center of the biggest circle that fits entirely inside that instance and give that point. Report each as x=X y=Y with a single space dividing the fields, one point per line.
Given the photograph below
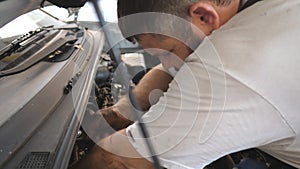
x=23 y=41
x=61 y=38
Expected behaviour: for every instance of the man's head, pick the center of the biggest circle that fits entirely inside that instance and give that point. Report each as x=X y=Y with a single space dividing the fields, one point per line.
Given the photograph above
x=201 y=18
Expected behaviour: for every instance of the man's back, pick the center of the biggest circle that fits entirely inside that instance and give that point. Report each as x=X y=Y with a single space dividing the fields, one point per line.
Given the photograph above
x=260 y=49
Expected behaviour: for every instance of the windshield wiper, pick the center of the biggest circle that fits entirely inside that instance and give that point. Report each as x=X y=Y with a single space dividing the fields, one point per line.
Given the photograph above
x=23 y=41
x=37 y=48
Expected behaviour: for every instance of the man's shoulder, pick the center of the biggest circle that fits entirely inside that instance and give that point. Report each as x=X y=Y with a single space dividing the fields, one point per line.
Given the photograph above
x=260 y=48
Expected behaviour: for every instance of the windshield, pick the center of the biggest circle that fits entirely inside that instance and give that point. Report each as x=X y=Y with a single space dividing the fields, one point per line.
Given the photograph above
x=23 y=26
x=48 y=16
x=87 y=12
x=37 y=18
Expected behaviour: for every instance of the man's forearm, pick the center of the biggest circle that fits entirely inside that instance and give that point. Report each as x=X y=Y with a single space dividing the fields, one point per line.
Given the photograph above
x=121 y=114
x=155 y=79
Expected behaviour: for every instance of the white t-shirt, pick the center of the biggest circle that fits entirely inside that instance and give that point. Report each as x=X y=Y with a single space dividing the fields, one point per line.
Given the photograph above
x=239 y=90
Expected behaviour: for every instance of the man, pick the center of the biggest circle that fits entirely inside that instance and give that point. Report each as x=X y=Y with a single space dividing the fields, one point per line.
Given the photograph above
x=238 y=90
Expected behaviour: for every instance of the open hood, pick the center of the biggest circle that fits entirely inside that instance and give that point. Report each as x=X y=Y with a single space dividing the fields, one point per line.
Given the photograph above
x=11 y=9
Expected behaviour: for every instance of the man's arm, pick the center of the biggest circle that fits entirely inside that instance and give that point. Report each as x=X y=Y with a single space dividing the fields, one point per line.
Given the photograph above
x=114 y=152
x=120 y=115
x=154 y=79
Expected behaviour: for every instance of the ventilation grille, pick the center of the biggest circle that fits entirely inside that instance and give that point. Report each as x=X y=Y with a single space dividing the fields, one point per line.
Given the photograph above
x=35 y=160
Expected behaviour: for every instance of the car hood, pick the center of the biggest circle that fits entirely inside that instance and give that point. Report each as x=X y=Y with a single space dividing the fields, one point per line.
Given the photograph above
x=11 y=9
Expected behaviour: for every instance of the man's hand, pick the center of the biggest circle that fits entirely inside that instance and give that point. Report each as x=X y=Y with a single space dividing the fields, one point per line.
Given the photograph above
x=111 y=158
x=100 y=159
x=114 y=118
x=102 y=123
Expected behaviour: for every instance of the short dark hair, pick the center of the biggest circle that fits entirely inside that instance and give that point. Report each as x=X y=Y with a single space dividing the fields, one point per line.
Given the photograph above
x=178 y=8
x=174 y=7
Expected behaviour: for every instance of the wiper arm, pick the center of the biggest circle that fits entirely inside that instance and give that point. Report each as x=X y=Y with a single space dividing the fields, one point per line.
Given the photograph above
x=52 y=16
x=61 y=38
x=23 y=41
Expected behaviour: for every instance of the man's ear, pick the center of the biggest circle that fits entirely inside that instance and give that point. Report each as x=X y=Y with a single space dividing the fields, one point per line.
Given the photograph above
x=204 y=16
